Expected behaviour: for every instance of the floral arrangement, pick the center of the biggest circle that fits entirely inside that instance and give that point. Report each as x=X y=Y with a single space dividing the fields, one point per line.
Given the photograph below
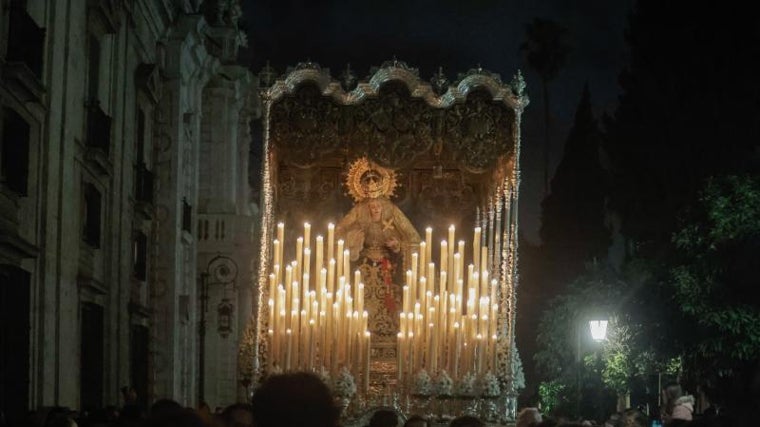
x=423 y=384
x=444 y=385
x=345 y=386
x=467 y=385
x=490 y=385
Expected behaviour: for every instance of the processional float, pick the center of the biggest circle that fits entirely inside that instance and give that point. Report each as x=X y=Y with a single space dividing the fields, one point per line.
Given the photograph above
x=389 y=235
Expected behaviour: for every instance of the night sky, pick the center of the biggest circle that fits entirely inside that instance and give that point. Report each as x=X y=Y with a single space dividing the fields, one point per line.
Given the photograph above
x=457 y=35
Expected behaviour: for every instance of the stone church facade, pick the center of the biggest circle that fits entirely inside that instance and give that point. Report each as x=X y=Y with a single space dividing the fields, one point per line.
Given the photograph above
x=126 y=219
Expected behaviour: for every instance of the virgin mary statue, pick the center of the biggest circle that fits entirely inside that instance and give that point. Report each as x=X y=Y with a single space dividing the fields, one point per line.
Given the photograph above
x=381 y=239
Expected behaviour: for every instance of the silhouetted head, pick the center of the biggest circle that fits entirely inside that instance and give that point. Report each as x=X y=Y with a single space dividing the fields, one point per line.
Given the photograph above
x=174 y=417
x=467 y=421
x=383 y=418
x=528 y=417
x=416 y=421
x=632 y=418
x=238 y=415
x=296 y=399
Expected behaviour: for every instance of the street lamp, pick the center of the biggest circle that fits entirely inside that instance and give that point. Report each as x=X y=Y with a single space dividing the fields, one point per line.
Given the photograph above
x=598 y=329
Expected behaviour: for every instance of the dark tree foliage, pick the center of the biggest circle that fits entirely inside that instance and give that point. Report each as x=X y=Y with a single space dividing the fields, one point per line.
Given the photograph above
x=715 y=276
x=690 y=109
x=573 y=228
x=546 y=50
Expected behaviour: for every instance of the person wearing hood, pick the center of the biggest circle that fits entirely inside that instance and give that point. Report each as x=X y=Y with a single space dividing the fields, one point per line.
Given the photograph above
x=683 y=408
x=678 y=408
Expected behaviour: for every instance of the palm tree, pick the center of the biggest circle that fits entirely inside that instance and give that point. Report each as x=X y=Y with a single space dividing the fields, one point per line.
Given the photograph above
x=546 y=51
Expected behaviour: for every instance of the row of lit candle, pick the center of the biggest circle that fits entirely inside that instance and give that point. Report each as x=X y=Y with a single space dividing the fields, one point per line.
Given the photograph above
x=452 y=325
x=448 y=318
x=321 y=321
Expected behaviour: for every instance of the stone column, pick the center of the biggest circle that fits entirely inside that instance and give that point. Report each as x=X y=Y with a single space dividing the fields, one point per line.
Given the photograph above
x=226 y=224
x=173 y=295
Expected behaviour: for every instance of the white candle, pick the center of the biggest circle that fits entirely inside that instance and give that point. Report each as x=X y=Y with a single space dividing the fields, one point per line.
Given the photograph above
x=400 y=356
x=311 y=344
x=276 y=253
x=367 y=362
x=429 y=243
x=306 y=267
x=423 y=259
x=289 y=335
x=319 y=256
x=457 y=348
x=306 y=234
x=331 y=276
x=330 y=240
x=298 y=270
x=476 y=247
x=339 y=259
x=451 y=262
x=347 y=266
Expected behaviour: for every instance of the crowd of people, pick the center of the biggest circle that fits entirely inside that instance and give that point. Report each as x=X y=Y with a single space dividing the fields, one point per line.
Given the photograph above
x=303 y=399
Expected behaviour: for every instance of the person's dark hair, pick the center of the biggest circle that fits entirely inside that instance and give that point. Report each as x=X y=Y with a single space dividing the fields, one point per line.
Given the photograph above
x=292 y=400
x=174 y=417
x=632 y=418
x=228 y=414
x=163 y=406
x=416 y=421
x=548 y=422
x=467 y=421
x=383 y=418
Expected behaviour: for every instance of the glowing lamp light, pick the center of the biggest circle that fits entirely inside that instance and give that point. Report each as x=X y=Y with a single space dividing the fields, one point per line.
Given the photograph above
x=598 y=329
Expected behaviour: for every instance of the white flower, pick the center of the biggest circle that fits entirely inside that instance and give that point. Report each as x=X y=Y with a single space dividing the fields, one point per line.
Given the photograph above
x=490 y=385
x=345 y=386
x=467 y=385
x=444 y=385
x=423 y=385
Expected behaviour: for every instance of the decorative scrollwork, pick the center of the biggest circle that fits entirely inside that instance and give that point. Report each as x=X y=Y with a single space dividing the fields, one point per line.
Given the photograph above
x=393 y=129
x=478 y=132
x=223 y=270
x=305 y=126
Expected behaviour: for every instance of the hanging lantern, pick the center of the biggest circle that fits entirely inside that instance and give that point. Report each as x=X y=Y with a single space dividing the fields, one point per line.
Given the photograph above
x=224 y=320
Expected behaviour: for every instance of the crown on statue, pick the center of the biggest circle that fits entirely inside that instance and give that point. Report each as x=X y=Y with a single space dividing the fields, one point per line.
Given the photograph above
x=368 y=180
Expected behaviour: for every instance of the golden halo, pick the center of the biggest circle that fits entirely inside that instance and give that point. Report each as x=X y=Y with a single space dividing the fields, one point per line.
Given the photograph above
x=368 y=180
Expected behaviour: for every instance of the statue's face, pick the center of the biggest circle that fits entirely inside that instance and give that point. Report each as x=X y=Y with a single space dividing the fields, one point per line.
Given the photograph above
x=375 y=210
x=371 y=182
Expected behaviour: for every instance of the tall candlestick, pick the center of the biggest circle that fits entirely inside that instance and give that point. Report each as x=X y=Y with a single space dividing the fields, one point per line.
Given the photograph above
x=367 y=337
x=310 y=365
x=476 y=247
x=276 y=252
x=319 y=255
x=429 y=244
x=400 y=356
x=331 y=276
x=306 y=268
x=281 y=233
x=347 y=265
x=339 y=258
x=423 y=259
x=330 y=241
x=457 y=348
x=298 y=268
x=306 y=235
x=288 y=352
x=450 y=246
